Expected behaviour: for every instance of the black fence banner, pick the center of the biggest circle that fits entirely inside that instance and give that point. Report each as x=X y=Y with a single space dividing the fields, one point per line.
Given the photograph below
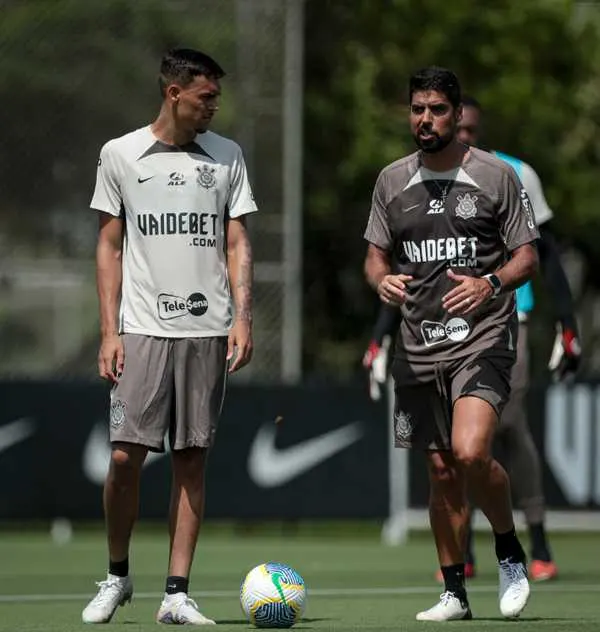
x=283 y=453
x=280 y=453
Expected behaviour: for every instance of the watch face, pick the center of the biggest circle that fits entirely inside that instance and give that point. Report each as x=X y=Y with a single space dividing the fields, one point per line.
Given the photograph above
x=496 y=284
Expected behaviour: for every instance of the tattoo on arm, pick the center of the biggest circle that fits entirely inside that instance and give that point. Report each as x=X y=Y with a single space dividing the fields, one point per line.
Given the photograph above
x=241 y=274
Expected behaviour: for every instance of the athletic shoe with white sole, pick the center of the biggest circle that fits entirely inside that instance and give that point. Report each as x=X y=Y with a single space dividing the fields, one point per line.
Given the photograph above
x=449 y=608
x=179 y=609
x=113 y=592
x=514 y=588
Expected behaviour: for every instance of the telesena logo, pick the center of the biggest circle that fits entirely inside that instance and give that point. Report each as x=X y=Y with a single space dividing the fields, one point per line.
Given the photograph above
x=456 y=330
x=171 y=306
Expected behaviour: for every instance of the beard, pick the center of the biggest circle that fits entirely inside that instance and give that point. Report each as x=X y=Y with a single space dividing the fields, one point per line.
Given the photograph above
x=434 y=144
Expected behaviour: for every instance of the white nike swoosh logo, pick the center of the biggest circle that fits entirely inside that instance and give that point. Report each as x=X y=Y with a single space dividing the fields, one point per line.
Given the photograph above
x=15 y=432
x=270 y=467
x=96 y=454
x=410 y=208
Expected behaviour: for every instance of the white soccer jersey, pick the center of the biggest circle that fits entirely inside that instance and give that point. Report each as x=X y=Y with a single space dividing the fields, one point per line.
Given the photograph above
x=175 y=202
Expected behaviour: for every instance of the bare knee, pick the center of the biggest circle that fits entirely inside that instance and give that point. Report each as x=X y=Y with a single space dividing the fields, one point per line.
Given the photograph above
x=471 y=459
x=189 y=466
x=442 y=469
x=126 y=463
x=446 y=483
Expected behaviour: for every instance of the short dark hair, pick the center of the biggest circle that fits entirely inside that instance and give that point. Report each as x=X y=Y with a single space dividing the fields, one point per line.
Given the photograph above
x=438 y=79
x=181 y=65
x=471 y=102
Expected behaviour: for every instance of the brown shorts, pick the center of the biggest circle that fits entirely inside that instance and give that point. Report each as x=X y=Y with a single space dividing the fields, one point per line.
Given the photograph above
x=173 y=385
x=423 y=408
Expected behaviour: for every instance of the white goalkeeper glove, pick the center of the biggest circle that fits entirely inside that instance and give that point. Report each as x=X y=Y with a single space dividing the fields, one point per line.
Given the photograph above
x=375 y=361
x=566 y=354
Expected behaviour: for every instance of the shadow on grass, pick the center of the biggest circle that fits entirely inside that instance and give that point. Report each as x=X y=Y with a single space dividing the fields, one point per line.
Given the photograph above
x=244 y=622
x=520 y=619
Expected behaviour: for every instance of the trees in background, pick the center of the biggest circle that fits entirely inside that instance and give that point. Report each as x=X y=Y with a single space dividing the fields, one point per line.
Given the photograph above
x=73 y=74
x=534 y=67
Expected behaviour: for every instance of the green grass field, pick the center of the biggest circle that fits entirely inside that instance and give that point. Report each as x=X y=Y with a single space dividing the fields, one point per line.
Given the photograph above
x=354 y=583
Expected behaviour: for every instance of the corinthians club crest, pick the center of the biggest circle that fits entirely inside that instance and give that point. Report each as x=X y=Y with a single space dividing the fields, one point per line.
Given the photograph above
x=403 y=426
x=117 y=413
x=206 y=176
x=466 y=208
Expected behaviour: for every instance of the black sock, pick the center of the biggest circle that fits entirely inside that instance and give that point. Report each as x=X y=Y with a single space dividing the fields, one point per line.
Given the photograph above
x=454 y=580
x=177 y=584
x=120 y=569
x=509 y=547
x=539 y=546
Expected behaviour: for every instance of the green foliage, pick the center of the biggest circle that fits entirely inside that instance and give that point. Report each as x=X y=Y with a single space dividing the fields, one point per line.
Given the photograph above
x=533 y=65
x=74 y=74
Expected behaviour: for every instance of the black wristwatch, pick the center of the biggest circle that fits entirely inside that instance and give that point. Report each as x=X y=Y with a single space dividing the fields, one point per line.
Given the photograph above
x=495 y=282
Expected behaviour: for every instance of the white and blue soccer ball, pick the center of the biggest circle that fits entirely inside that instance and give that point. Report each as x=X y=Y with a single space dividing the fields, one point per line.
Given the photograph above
x=273 y=595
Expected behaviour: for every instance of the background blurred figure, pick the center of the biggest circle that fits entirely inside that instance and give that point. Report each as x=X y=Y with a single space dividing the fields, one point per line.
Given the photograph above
x=513 y=431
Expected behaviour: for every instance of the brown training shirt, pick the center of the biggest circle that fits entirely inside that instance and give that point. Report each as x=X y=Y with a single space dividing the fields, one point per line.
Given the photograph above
x=468 y=219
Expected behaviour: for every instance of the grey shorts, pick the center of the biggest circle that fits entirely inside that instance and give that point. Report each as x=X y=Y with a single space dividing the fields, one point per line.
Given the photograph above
x=423 y=408
x=169 y=385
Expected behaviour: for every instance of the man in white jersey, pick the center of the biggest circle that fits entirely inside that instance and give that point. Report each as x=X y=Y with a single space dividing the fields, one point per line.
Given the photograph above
x=172 y=253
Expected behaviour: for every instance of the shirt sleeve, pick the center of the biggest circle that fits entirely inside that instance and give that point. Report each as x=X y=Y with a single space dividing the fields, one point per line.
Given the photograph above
x=241 y=200
x=107 y=194
x=533 y=186
x=378 y=227
x=517 y=221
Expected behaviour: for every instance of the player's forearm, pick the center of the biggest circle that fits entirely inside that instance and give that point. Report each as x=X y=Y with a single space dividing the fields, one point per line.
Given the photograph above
x=377 y=266
x=555 y=279
x=240 y=270
x=388 y=321
x=521 y=267
x=108 y=280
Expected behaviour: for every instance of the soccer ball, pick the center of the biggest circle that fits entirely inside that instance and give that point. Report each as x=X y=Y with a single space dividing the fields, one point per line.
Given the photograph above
x=273 y=595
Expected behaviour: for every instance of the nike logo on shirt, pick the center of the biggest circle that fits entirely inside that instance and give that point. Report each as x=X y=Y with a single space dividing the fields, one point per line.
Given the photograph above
x=140 y=180
x=269 y=466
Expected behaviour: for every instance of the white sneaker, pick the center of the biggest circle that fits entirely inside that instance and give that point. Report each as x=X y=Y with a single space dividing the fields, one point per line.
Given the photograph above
x=514 y=587
x=113 y=592
x=449 y=608
x=181 y=609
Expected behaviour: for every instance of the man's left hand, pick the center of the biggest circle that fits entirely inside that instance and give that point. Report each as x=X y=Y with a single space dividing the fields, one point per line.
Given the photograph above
x=566 y=354
x=468 y=295
x=375 y=361
x=240 y=342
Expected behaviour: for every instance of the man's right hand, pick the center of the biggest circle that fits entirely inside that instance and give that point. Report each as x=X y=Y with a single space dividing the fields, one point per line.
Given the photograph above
x=392 y=288
x=111 y=358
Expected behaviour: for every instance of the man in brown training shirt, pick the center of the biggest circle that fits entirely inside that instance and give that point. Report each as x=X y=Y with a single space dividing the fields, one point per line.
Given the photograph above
x=459 y=227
